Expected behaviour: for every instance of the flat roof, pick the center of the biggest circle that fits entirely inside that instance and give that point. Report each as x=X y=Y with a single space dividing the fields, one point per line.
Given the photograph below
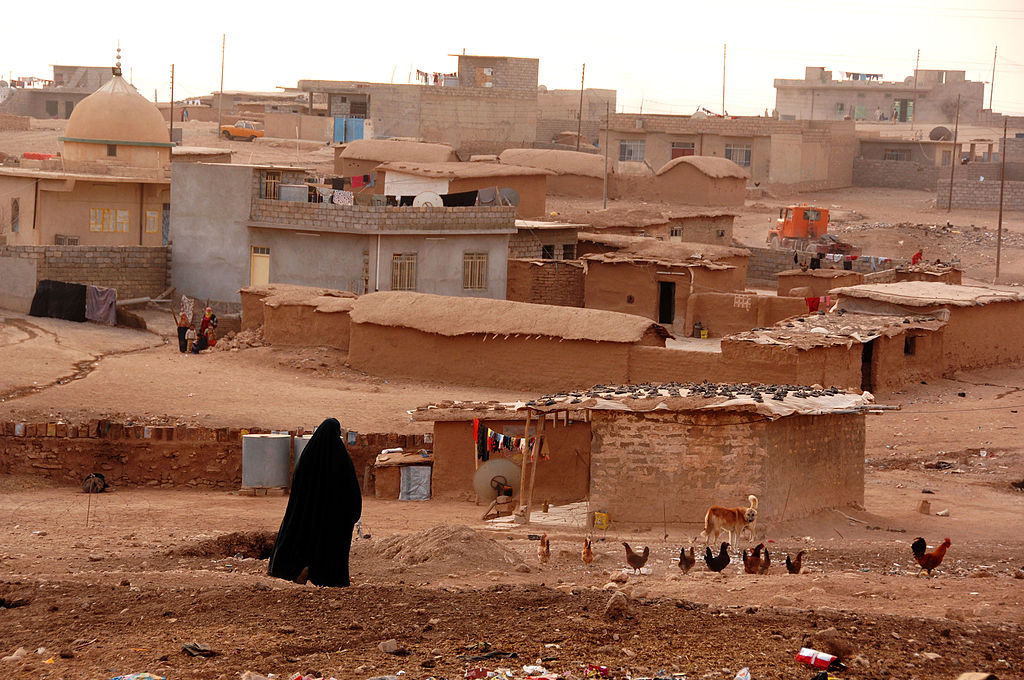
x=456 y=170
x=929 y=294
x=89 y=177
x=835 y=329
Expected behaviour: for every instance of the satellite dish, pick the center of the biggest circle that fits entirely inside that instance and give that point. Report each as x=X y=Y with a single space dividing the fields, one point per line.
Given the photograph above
x=427 y=199
x=509 y=196
x=494 y=475
x=940 y=134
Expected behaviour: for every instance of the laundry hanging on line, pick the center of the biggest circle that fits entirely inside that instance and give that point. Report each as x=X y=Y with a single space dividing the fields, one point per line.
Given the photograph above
x=489 y=442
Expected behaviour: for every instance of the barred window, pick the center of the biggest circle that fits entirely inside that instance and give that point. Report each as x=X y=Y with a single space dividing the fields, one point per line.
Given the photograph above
x=271 y=183
x=738 y=154
x=15 y=214
x=403 y=271
x=65 y=240
x=569 y=251
x=631 y=149
x=897 y=155
x=152 y=221
x=474 y=271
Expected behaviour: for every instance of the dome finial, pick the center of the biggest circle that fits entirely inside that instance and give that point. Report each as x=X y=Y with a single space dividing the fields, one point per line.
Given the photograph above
x=117 y=64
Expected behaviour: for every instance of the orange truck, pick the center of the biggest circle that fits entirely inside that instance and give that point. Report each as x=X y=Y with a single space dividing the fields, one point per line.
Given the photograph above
x=242 y=129
x=804 y=227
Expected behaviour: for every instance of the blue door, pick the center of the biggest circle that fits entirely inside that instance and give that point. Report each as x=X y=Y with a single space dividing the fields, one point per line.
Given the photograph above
x=339 y=128
x=353 y=129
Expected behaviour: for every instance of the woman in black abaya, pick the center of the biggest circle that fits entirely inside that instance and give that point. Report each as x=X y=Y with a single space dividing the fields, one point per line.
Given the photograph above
x=325 y=503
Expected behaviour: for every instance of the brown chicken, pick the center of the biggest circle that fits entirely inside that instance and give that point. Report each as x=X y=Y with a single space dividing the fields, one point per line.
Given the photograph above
x=544 y=549
x=752 y=562
x=929 y=560
x=587 y=555
x=766 y=562
x=636 y=562
x=686 y=562
x=793 y=566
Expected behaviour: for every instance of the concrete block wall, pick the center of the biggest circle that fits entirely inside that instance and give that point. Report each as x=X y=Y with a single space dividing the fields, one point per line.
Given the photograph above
x=982 y=195
x=135 y=271
x=895 y=174
x=764 y=264
x=157 y=456
x=370 y=219
x=547 y=282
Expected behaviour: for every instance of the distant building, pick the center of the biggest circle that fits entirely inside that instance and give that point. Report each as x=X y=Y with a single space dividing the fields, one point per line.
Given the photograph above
x=930 y=97
x=558 y=112
x=55 y=98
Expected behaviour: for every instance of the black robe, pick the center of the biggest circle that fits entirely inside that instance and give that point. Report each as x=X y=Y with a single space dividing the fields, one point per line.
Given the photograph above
x=324 y=504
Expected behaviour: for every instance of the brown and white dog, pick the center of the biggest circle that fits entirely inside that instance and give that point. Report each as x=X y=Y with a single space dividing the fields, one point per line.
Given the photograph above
x=734 y=521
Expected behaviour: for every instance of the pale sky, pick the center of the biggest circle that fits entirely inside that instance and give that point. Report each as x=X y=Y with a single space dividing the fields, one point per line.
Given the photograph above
x=665 y=55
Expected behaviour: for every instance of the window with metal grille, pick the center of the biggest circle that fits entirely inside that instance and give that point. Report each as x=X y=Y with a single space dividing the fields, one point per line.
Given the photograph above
x=271 y=184
x=65 y=240
x=680 y=149
x=111 y=149
x=152 y=221
x=676 y=232
x=569 y=251
x=15 y=214
x=631 y=149
x=897 y=155
x=260 y=250
x=738 y=154
x=474 y=271
x=403 y=271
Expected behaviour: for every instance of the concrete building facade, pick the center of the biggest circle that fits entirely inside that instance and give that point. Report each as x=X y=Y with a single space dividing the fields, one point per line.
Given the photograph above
x=929 y=96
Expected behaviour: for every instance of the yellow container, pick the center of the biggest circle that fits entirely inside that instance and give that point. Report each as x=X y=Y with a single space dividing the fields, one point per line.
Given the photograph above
x=704 y=334
x=601 y=520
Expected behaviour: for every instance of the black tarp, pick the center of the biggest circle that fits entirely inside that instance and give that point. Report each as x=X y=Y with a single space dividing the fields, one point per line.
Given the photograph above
x=59 y=300
x=323 y=506
x=461 y=199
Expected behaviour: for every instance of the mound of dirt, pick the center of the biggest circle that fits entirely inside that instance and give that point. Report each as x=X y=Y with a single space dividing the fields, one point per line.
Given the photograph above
x=447 y=544
x=255 y=544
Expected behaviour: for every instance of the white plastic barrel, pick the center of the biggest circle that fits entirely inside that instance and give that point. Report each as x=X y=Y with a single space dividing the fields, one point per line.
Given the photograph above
x=266 y=460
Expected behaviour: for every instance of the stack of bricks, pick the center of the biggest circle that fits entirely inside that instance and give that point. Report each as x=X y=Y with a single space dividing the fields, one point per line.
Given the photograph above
x=154 y=456
x=135 y=271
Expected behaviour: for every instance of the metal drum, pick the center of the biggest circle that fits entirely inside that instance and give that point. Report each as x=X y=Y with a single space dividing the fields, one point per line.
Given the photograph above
x=266 y=460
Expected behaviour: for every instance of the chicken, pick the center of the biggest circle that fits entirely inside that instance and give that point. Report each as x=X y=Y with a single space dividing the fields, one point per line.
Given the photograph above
x=752 y=562
x=928 y=560
x=717 y=562
x=686 y=562
x=766 y=562
x=544 y=549
x=636 y=562
x=587 y=555
x=793 y=566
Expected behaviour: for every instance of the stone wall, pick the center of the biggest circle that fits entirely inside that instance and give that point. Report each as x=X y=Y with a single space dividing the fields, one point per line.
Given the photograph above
x=157 y=456
x=546 y=282
x=654 y=467
x=977 y=194
x=135 y=271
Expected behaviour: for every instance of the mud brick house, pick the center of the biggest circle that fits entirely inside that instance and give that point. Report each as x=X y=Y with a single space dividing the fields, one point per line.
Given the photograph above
x=701 y=180
x=575 y=173
x=362 y=156
x=652 y=453
x=815 y=282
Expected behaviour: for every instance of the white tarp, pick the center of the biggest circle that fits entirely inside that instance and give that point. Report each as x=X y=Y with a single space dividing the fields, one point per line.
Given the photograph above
x=401 y=184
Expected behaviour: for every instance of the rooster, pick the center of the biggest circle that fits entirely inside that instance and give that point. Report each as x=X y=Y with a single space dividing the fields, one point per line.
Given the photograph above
x=636 y=562
x=717 y=562
x=686 y=562
x=766 y=562
x=544 y=549
x=587 y=555
x=928 y=560
x=793 y=566
x=752 y=562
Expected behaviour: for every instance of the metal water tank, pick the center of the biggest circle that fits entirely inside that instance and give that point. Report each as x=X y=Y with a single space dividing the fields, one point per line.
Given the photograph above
x=300 y=446
x=266 y=460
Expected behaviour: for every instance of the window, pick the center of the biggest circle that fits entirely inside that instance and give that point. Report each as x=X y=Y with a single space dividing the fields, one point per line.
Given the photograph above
x=65 y=240
x=123 y=220
x=840 y=107
x=15 y=214
x=474 y=271
x=631 y=149
x=897 y=155
x=52 y=107
x=271 y=183
x=682 y=149
x=738 y=154
x=112 y=150
x=101 y=219
x=947 y=156
x=152 y=221
x=547 y=252
x=676 y=232
x=403 y=271
x=260 y=250
x=569 y=251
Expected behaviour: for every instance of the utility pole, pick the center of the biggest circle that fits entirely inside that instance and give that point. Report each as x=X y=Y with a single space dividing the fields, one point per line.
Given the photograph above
x=220 y=99
x=992 y=83
x=607 y=144
x=917 y=62
x=172 y=104
x=723 y=78
x=1002 y=185
x=579 y=123
x=955 y=156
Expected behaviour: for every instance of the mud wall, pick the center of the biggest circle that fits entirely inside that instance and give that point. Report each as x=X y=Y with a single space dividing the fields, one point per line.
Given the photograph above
x=531 y=363
x=818 y=286
x=904 y=359
x=252 y=308
x=156 y=456
x=576 y=186
x=727 y=313
x=563 y=478
x=646 y=467
x=302 y=326
x=983 y=336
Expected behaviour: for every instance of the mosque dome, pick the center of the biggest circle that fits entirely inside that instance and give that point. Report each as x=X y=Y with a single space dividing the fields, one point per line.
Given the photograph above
x=116 y=113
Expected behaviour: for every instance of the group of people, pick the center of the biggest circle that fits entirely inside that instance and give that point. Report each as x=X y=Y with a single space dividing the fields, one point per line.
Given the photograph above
x=190 y=340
